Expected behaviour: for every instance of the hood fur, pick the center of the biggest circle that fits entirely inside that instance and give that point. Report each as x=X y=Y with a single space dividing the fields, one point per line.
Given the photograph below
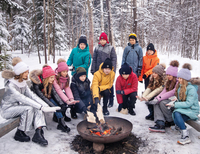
x=34 y=76
x=8 y=74
x=195 y=81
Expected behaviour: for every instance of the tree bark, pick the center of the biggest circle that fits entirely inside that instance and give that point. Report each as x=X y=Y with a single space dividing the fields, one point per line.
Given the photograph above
x=72 y=26
x=48 y=21
x=54 y=33
x=45 y=54
x=102 y=19
x=135 y=16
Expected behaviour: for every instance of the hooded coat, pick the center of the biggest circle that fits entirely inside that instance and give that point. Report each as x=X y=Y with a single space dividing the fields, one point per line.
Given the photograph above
x=100 y=55
x=101 y=81
x=133 y=57
x=81 y=91
x=37 y=87
x=19 y=100
x=80 y=58
x=129 y=85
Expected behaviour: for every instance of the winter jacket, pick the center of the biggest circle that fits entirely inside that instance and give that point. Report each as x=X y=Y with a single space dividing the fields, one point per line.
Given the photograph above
x=101 y=81
x=81 y=91
x=128 y=86
x=149 y=62
x=190 y=107
x=59 y=89
x=17 y=93
x=37 y=87
x=80 y=58
x=133 y=57
x=100 y=54
x=166 y=94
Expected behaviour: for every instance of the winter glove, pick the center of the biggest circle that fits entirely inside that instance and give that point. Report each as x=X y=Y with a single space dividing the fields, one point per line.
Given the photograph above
x=72 y=69
x=93 y=108
x=141 y=81
x=50 y=109
x=155 y=101
x=144 y=77
x=139 y=72
x=120 y=92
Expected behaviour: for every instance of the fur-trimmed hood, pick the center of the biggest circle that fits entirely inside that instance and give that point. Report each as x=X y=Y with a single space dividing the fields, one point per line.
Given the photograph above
x=8 y=74
x=34 y=76
x=195 y=80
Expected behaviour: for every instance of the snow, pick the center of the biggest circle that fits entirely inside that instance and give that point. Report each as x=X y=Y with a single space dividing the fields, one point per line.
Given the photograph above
x=59 y=142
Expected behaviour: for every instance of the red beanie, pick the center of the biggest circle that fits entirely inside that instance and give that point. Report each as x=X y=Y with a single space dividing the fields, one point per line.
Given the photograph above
x=103 y=36
x=47 y=71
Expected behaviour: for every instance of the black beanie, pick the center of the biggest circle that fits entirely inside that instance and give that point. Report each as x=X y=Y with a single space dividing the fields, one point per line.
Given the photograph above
x=125 y=69
x=151 y=47
x=80 y=71
x=82 y=39
x=107 y=64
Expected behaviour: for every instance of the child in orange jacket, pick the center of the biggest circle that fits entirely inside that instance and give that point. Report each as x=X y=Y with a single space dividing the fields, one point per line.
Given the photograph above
x=149 y=62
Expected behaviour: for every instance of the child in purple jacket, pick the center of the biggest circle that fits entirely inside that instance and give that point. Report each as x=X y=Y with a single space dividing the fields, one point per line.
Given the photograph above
x=61 y=83
x=163 y=115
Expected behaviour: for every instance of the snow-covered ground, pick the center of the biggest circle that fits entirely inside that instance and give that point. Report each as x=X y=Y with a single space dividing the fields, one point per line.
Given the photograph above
x=59 y=143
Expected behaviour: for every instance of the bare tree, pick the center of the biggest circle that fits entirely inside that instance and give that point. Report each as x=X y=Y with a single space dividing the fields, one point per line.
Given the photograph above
x=102 y=19
x=45 y=53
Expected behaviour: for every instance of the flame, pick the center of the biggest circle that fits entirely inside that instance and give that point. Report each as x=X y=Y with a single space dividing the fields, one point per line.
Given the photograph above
x=100 y=134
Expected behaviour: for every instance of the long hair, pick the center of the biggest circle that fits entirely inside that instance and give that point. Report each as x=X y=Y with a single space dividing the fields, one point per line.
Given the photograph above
x=170 y=84
x=46 y=84
x=181 y=94
x=58 y=79
x=20 y=77
x=155 y=83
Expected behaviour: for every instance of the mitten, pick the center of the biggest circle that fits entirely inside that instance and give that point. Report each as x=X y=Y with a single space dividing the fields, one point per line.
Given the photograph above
x=50 y=109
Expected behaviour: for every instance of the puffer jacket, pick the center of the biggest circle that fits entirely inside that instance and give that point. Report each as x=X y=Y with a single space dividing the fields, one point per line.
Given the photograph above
x=149 y=62
x=190 y=107
x=81 y=91
x=128 y=86
x=100 y=55
x=17 y=93
x=80 y=58
x=101 y=81
x=133 y=57
x=37 y=87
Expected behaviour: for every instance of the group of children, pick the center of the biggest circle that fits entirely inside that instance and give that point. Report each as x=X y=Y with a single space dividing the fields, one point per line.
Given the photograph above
x=51 y=90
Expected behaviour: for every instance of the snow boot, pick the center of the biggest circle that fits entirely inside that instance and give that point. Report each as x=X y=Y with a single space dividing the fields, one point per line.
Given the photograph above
x=110 y=102
x=39 y=138
x=151 y=113
x=66 y=118
x=21 y=136
x=62 y=126
x=55 y=119
x=131 y=111
x=185 y=139
x=159 y=127
x=105 y=109
x=73 y=112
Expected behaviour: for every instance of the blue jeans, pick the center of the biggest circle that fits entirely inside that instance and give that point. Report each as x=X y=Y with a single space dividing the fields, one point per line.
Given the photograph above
x=179 y=120
x=58 y=114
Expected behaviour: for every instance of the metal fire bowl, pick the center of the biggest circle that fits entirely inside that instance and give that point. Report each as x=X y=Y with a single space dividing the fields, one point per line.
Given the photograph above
x=113 y=121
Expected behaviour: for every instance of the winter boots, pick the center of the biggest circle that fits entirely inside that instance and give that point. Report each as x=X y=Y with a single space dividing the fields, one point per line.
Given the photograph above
x=110 y=102
x=159 y=127
x=62 y=126
x=73 y=112
x=21 y=136
x=151 y=114
x=66 y=118
x=105 y=109
x=131 y=111
x=185 y=139
x=39 y=138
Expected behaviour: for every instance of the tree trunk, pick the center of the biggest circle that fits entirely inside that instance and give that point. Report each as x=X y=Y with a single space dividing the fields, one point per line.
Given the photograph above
x=48 y=21
x=54 y=33
x=22 y=46
x=72 y=26
x=102 y=19
x=91 y=32
x=135 y=16
x=45 y=54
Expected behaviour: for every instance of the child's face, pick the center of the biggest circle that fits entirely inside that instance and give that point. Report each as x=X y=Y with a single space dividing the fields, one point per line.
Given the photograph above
x=103 y=42
x=132 y=41
x=155 y=75
x=106 y=70
x=82 y=78
x=51 y=79
x=169 y=77
x=64 y=73
x=25 y=75
x=150 y=52
x=125 y=76
x=180 y=80
x=82 y=46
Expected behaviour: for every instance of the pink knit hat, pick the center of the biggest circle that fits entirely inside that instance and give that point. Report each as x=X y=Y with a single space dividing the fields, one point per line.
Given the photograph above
x=47 y=71
x=173 y=68
x=62 y=66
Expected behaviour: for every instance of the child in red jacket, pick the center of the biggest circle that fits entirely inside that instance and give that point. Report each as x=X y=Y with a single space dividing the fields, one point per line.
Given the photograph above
x=126 y=89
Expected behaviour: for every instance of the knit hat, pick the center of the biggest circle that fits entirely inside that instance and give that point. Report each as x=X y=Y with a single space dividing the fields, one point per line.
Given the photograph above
x=62 y=67
x=107 y=64
x=133 y=36
x=151 y=47
x=185 y=73
x=103 y=36
x=173 y=68
x=19 y=67
x=82 y=39
x=80 y=71
x=159 y=69
x=125 y=69
x=47 y=71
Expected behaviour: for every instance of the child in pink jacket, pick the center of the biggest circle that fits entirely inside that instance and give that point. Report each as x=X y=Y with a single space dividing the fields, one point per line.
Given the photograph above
x=61 y=84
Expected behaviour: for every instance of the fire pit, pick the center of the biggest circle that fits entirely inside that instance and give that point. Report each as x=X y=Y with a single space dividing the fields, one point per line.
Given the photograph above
x=99 y=141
